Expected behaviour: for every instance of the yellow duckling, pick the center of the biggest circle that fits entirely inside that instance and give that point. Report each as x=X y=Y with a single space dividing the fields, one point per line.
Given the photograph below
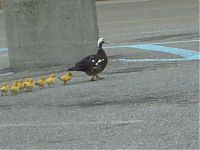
x=66 y=77
x=25 y=82
x=51 y=80
x=41 y=83
x=4 y=89
x=15 y=88
x=30 y=84
x=21 y=85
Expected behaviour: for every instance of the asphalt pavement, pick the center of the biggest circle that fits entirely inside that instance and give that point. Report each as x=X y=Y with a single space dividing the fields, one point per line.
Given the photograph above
x=148 y=99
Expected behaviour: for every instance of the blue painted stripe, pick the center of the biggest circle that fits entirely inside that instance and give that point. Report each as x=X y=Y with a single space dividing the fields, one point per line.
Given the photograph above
x=186 y=54
x=3 y=49
x=151 y=47
x=177 y=51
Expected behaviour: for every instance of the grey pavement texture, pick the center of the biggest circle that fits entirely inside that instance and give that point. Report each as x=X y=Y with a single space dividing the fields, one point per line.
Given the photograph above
x=141 y=105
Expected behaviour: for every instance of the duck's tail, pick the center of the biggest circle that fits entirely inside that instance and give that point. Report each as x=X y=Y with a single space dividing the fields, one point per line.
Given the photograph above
x=72 y=69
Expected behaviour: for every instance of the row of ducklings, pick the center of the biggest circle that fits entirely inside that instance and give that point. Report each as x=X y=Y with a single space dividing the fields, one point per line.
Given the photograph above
x=28 y=84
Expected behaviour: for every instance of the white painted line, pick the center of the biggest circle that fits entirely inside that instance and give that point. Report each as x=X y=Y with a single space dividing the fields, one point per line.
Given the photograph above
x=6 y=74
x=117 y=122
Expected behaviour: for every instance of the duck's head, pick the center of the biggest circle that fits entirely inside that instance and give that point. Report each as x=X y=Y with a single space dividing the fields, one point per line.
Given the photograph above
x=43 y=78
x=20 y=81
x=26 y=80
x=101 y=41
x=5 y=84
x=15 y=83
x=53 y=75
x=31 y=80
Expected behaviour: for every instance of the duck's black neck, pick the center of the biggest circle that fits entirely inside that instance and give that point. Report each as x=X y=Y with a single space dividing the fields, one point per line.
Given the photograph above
x=101 y=51
x=100 y=45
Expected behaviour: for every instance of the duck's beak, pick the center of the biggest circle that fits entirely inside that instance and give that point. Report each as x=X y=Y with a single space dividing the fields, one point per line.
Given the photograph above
x=106 y=42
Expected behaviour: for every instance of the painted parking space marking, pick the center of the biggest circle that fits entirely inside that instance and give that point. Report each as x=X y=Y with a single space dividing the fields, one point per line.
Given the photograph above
x=171 y=50
x=3 y=49
x=5 y=74
x=187 y=55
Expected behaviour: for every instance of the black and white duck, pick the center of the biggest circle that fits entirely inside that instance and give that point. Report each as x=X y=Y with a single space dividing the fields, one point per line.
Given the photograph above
x=94 y=64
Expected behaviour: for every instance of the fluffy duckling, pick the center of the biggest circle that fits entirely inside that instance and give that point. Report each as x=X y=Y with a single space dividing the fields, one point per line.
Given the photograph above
x=4 y=89
x=15 y=88
x=21 y=86
x=30 y=84
x=41 y=83
x=25 y=82
x=66 y=77
x=51 y=80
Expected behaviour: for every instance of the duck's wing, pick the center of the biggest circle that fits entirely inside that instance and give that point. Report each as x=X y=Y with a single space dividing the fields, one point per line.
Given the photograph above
x=86 y=63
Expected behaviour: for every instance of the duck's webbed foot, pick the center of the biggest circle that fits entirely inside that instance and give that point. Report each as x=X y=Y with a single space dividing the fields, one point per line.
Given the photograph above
x=94 y=78
x=98 y=77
